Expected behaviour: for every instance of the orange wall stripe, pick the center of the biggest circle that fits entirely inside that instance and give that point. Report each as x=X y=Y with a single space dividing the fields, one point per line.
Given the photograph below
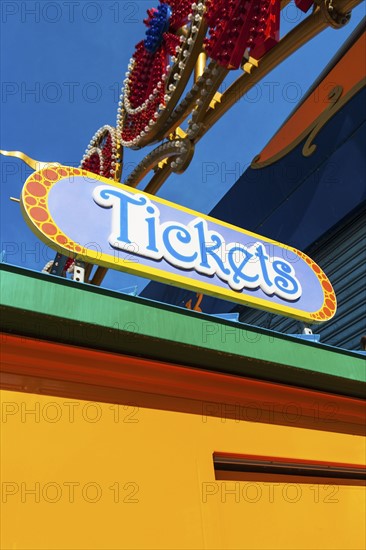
x=348 y=72
x=56 y=368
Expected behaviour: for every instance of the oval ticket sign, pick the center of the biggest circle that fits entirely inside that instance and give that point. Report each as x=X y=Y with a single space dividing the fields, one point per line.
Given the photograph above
x=89 y=217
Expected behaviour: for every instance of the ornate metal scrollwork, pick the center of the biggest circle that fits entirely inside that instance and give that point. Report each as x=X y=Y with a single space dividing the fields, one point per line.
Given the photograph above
x=333 y=17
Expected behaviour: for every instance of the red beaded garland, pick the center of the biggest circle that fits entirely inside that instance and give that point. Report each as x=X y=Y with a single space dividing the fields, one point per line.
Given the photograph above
x=146 y=80
x=236 y=25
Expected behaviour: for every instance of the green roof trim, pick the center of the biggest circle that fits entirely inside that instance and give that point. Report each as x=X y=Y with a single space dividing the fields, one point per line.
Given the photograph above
x=46 y=307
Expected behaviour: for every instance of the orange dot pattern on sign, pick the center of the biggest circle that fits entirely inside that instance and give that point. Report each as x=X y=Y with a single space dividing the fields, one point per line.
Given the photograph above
x=34 y=199
x=329 y=306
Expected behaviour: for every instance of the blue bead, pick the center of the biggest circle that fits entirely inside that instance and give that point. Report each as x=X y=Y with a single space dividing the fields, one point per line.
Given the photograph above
x=158 y=25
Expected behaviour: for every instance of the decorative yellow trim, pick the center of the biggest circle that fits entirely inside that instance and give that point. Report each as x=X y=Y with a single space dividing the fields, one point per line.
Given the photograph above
x=216 y=99
x=249 y=64
x=34 y=205
x=35 y=164
x=200 y=66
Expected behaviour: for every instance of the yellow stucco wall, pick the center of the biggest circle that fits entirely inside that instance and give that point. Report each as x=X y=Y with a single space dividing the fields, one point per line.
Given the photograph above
x=119 y=477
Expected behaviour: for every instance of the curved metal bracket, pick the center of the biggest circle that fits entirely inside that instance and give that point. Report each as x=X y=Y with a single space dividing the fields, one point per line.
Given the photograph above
x=179 y=150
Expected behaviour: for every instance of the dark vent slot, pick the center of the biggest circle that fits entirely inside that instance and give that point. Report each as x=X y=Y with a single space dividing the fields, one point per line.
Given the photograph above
x=264 y=468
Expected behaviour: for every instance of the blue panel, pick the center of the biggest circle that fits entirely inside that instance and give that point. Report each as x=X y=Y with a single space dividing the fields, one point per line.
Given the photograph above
x=297 y=199
x=342 y=255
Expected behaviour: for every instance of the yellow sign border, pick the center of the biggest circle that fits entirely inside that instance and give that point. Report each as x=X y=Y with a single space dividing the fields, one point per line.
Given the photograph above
x=34 y=205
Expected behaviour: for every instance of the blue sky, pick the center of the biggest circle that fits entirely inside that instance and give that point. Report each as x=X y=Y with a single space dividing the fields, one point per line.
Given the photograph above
x=63 y=63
